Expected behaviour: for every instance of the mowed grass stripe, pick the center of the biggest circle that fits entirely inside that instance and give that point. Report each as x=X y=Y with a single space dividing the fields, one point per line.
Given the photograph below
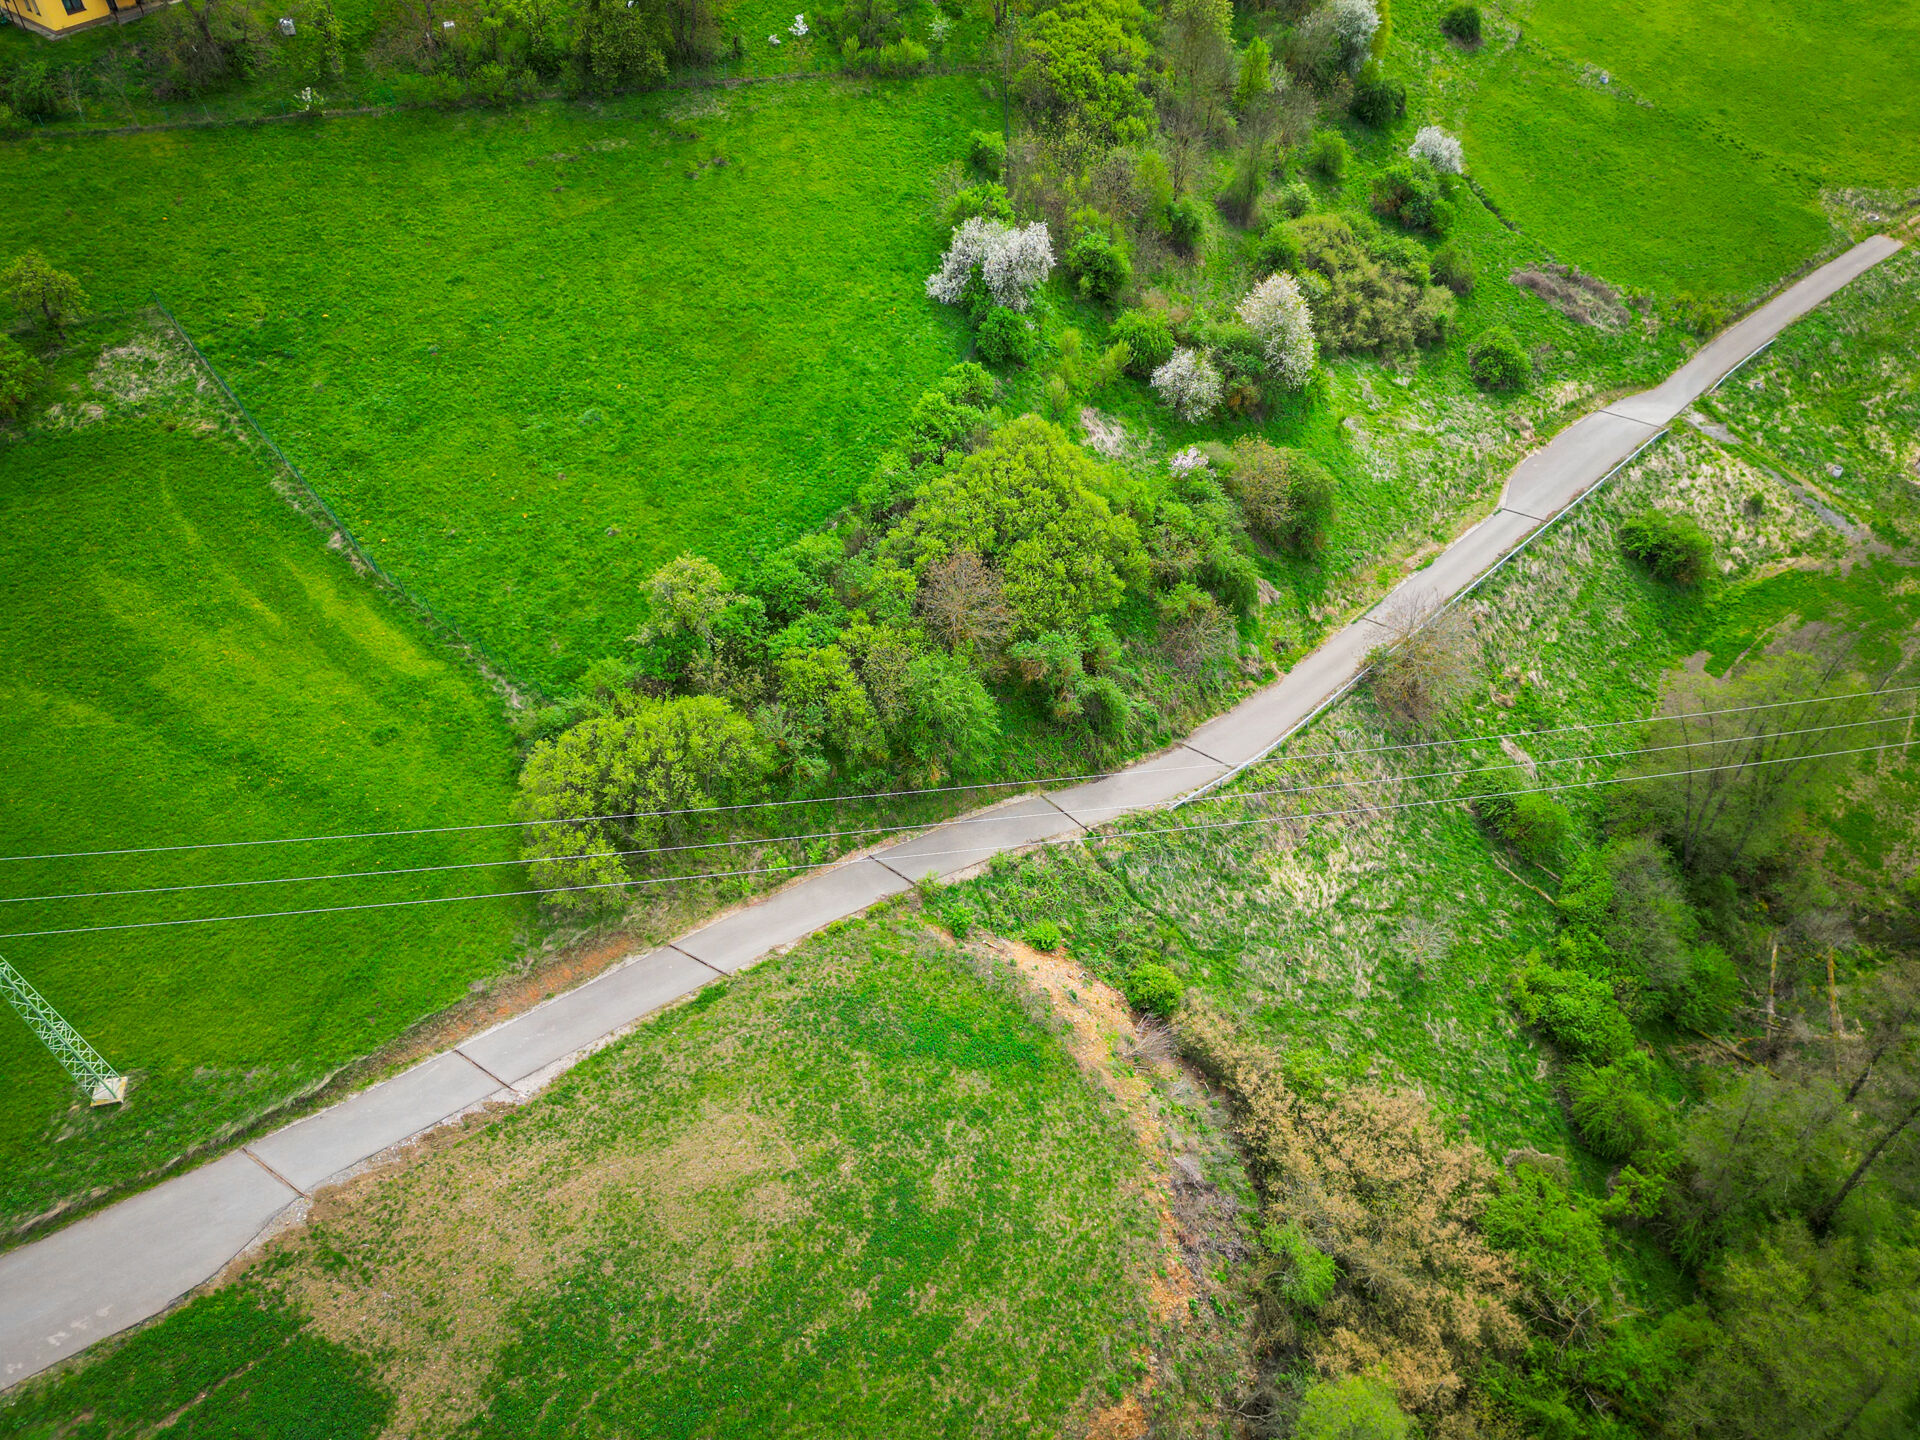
x=180 y=657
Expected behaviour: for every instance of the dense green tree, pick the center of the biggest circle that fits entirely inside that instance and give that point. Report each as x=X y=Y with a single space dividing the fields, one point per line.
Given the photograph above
x=630 y=781
x=1027 y=503
x=42 y=294
x=1814 y=1342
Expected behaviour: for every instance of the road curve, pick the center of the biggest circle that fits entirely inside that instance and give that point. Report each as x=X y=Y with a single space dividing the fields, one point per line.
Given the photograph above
x=132 y=1260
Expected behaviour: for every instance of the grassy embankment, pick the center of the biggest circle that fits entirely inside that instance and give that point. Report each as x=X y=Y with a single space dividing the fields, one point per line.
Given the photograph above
x=185 y=663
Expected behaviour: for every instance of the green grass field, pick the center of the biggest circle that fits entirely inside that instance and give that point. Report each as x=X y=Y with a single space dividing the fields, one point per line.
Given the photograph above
x=1698 y=165
x=528 y=355
x=857 y=1192
x=182 y=660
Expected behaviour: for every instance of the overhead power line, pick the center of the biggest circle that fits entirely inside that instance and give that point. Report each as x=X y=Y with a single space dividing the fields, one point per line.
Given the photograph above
x=741 y=842
x=1022 y=784
x=1374 y=809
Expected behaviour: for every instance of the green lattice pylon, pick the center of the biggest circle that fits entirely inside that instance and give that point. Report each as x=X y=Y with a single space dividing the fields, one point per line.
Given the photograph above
x=100 y=1081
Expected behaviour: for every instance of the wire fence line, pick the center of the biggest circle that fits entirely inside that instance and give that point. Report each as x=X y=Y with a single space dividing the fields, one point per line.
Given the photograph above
x=311 y=503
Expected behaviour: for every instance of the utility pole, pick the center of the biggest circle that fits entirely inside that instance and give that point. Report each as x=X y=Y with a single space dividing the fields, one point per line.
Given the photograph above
x=102 y=1083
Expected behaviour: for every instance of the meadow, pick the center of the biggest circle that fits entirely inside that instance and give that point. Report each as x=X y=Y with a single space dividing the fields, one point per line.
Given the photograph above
x=1698 y=148
x=529 y=355
x=184 y=662
x=857 y=1191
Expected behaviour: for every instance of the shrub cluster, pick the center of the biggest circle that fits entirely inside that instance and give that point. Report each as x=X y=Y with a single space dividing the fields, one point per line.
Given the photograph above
x=1286 y=495
x=1497 y=362
x=1671 y=545
x=1367 y=292
x=1461 y=23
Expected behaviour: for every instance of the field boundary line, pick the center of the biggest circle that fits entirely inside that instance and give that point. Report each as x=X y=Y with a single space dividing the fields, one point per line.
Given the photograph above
x=343 y=538
x=537 y=97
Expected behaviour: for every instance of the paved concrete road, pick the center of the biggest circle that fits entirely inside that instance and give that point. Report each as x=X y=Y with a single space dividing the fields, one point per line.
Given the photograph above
x=134 y=1259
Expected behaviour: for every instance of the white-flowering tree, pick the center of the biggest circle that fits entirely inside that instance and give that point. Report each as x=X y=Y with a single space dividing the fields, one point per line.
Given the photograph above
x=1189 y=383
x=1438 y=149
x=1354 y=21
x=1013 y=261
x=1276 y=311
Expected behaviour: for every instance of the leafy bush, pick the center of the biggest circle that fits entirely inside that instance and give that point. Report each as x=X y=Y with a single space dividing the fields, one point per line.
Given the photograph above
x=1099 y=267
x=1356 y=1408
x=1462 y=23
x=1538 y=826
x=1496 y=361
x=1439 y=149
x=1042 y=935
x=987 y=153
x=1190 y=383
x=1186 y=222
x=651 y=756
x=1371 y=298
x=985 y=201
x=1276 y=312
x=1576 y=1009
x=1612 y=1109
x=1026 y=503
x=1408 y=191
x=1294 y=200
x=1377 y=101
x=1087 y=63
x=902 y=57
x=19 y=374
x=1152 y=987
x=1558 y=1248
x=1278 y=249
x=1148 y=338
x=1327 y=154
x=1286 y=495
x=1005 y=337
x=959 y=921
x=1452 y=267
x=1671 y=545
x=1304 y=1274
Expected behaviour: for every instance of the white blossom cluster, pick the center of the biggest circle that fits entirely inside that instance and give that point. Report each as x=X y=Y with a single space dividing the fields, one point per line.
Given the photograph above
x=1189 y=383
x=1440 y=149
x=939 y=28
x=1013 y=260
x=1276 y=311
x=798 y=28
x=1354 y=21
x=1185 y=462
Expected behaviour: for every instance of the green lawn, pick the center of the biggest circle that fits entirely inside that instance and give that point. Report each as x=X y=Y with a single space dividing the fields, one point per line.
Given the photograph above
x=1698 y=165
x=528 y=355
x=858 y=1192
x=182 y=660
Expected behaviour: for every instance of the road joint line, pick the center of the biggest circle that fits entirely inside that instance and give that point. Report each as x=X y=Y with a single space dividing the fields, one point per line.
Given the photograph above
x=672 y=945
x=503 y=1084
x=247 y=1150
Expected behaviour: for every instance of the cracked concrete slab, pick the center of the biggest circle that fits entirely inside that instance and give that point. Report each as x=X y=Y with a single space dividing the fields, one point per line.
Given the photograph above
x=735 y=941
x=950 y=848
x=1150 y=782
x=527 y=1044
x=309 y=1151
x=130 y=1261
